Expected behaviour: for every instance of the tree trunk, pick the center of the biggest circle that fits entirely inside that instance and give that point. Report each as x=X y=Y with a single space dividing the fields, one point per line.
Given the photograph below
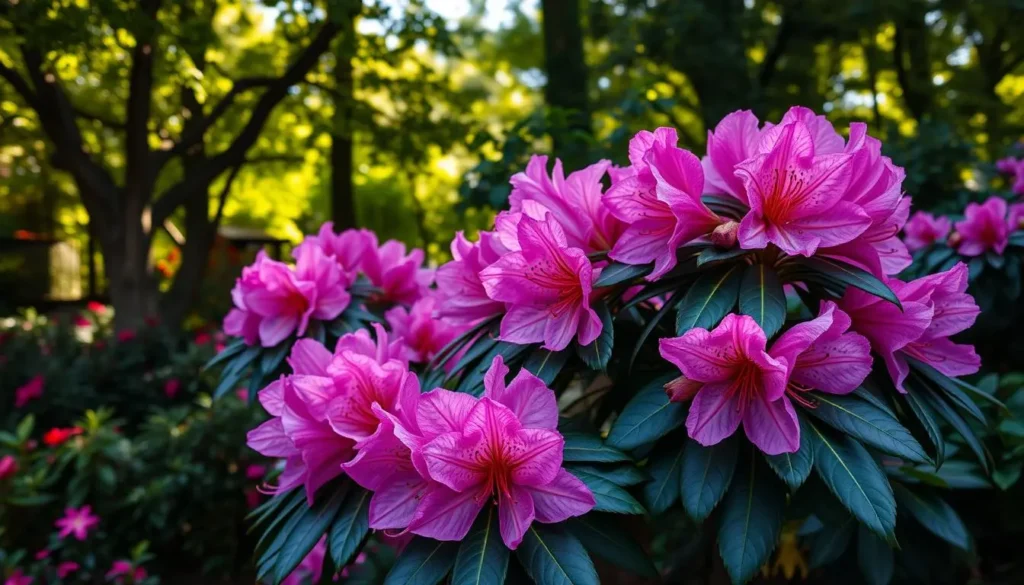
x=343 y=212
x=133 y=290
x=566 y=70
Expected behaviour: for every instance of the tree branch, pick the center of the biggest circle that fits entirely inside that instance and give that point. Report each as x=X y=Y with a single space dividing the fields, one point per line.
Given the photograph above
x=901 y=70
x=93 y=117
x=138 y=178
x=20 y=85
x=193 y=183
x=222 y=198
x=771 y=61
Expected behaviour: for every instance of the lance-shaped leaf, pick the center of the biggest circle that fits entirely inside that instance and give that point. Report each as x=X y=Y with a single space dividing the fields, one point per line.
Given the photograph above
x=621 y=475
x=709 y=299
x=647 y=417
x=834 y=271
x=752 y=514
x=761 y=296
x=597 y=353
x=926 y=417
x=855 y=479
x=590 y=448
x=705 y=476
x=350 y=527
x=937 y=516
x=944 y=384
x=793 y=468
x=713 y=254
x=304 y=530
x=617 y=272
x=553 y=556
x=870 y=424
x=875 y=558
x=950 y=415
x=423 y=561
x=483 y=557
x=546 y=364
x=665 y=468
x=602 y=537
x=609 y=497
x=829 y=543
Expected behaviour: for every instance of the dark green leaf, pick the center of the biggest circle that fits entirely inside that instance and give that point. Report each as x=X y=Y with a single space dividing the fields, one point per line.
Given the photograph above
x=715 y=254
x=482 y=558
x=793 y=468
x=447 y=352
x=875 y=557
x=597 y=353
x=473 y=380
x=621 y=475
x=855 y=479
x=228 y=381
x=874 y=395
x=617 y=272
x=546 y=364
x=350 y=527
x=234 y=348
x=273 y=357
x=590 y=448
x=752 y=514
x=709 y=299
x=950 y=388
x=649 y=328
x=305 y=529
x=706 y=475
x=761 y=296
x=552 y=556
x=602 y=537
x=423 y=561
x=647 y=417
x=665 y=468
x=829 y=543
x=609 y=497
x=844 y=274
x=479 y=348
x=937 y=516
x=926 y=417
x=950 y=415
x=870 y=424
x=725 y=205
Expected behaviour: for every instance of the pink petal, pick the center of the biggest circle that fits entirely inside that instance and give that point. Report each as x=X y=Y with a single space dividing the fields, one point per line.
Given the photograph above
x=316 y=392
x=772 y=426
x=378 y=457
x=533 y=403
x=733 y=141
x=272 y=398
x=841 y=223
x=560 y=329
x=566 y=496
x=837 y=367
x=714 y=414
x=453 y=460
x=952 y=359
x=646 y=241
x=270 y=440
x=703 y=356
x=515 y=514
x=535 y=456
x=445 y=514
x=797 y=339
x=274 y=330
x=443 y=411
x=524 y=324
x=494 y=379
x=394 y=504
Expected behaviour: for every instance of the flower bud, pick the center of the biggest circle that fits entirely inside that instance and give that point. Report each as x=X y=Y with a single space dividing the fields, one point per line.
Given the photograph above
x=682 y=389
x=954 y=240
x=724 y=236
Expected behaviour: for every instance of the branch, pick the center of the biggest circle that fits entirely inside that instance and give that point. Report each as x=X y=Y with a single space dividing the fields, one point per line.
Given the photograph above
x=266 y=158
x=901 y=70
x=194 y=183
x=110 y=122
x=770 y=64
x=140 y=98
x=222 y=199
x=20 y=85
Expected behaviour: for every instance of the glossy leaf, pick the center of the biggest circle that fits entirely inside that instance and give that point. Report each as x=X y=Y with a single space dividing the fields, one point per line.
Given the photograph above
x=713 y=254
x=705 y=476
x=483 y=557
x=793 y=468
x=937 y=516
x=553 y=556
x=761 y=296
x=869 y=424
x=926 y=416
x=855 y=479
x=875 y=558
x=305 y=529
x=951 y=389
x=621 y=475
x=602 y=537
x=423 y=561
x=609 y=497
x=647 y=417
x=665 y=468
x=616 y=272
x=709 y=299
x=590 y=448
x=350 y=527
x=846 y=275
x=546 y=364
x=829 y=543
x=945 y=411
x=752 y=515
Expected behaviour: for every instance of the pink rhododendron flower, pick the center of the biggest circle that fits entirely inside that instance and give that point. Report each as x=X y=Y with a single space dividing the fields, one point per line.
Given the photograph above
x=924 y=229
x=382 y=349
x=795 y=187
x=270 y=303
x=77 y=522
x=547 y=287
x=461 y=295
x=42 y=554
x=171 y=387
x=822 y=354
x=311 y=569
x=1015 y=217
x=732 y=379
x=331 y=282
x=733 y=141
x=1007 y=165
x=255 y=471
x=121 y=569
x=400 y=276
x=422 y=334
x=19 y=578
x=66 y=568
x=934 y=308
x=29 y=391
x=8 y=467
x=984 y=228
x=575 y=202
x=347 y=248
x=660 y=202
x=503 y=446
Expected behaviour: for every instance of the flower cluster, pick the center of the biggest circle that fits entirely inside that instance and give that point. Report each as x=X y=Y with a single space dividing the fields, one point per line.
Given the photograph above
x=985 y=227
x=1014 y=168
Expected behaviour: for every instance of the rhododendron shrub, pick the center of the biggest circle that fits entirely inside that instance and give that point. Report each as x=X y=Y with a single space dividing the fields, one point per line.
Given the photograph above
x=723 y=337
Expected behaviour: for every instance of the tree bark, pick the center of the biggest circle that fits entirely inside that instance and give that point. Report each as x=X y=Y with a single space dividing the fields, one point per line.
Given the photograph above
x=566 y=70
x=343 y=209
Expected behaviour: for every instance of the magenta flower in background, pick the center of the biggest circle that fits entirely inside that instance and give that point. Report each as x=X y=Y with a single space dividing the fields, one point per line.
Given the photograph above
x=547 y=287
x=381 y=349
x=270 y=303
x=924 y=229
x=31 y=390
x=121 y=569
x=504 y=447
x=1015 y=217
x=822 y=354
x=733 y=141
x=42 y=554
x=19 y=578
x=171 y=387
x=400 y=276
x=935 y=307
x=1007 y=165
x=422 y=334
x=8 y=467
x=461 y=295
x=66 y=568
x=331 y=283
x=984 y=228
x=77 y=522
x=311 y=568
x=82 y=321
x=795 y=186
x=575 y=202
x=659 y=202
x=255 y=471
x=732 y=379
x=347 y=249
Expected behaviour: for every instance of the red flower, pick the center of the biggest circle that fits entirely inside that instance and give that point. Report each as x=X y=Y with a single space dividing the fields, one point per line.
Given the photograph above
x=57 y=436
x=125 y=335
x=202 y=338
x=96 y=307
x=171 y=387
x=8 y=467
x=82 y=321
